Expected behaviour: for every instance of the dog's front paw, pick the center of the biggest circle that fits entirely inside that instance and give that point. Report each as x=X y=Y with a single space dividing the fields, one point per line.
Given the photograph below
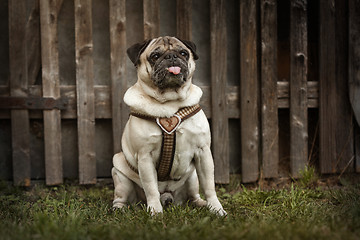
x=199 y=202
x=221 y=212
x=155 y=208
x=215 y=206
x=118 y=204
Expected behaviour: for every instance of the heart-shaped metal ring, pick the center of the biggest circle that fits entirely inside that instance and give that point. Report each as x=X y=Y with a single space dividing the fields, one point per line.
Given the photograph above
x=169 y=125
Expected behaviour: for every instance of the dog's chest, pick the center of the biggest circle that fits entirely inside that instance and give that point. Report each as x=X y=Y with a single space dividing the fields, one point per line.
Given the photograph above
x=143 y=138
x=190 y=138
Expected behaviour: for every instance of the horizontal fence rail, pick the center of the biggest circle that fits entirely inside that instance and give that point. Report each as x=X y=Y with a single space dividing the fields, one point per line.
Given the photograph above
x=103 y=100
x=55 y=55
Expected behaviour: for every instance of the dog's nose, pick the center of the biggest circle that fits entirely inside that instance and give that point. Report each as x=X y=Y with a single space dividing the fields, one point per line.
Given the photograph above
x=171 y=56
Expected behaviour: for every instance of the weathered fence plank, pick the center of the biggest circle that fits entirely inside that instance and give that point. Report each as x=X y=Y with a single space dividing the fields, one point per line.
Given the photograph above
x=328 y=154
x=354 y=56
x=298 y=87
x=118 y=69
x=183 y=19
x=85 y=91
x=354 y=70
x=103 y=100
x=51 y=88
x=346 y=147
x=151 y=18
x=269 y=104
x=33 y=54
x=357 y=149
x=336 y=127
x=249 y=92
x=284 y=94
x=20 y=130
x=219 y=121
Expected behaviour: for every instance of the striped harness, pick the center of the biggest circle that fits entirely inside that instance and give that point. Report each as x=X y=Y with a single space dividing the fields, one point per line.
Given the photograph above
x=168 y=127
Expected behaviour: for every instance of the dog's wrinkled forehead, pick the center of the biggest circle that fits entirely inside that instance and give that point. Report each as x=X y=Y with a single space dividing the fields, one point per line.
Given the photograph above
x=165 y=43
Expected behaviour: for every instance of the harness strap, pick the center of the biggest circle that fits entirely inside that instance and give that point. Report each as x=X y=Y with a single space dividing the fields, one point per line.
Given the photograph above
x=168 y=127
x=166 y=156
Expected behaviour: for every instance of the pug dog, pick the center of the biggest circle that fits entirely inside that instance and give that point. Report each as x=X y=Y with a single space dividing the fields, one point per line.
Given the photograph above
x=164 y=91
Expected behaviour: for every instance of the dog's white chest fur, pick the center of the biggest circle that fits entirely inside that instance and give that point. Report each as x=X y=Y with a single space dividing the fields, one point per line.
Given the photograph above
x=191 y=136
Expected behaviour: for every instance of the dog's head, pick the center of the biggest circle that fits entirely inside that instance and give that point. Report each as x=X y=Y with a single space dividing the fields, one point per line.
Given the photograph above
x=165 y=63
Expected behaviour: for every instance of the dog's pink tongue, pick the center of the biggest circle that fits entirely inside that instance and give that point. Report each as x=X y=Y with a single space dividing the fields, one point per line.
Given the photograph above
x=174 y=70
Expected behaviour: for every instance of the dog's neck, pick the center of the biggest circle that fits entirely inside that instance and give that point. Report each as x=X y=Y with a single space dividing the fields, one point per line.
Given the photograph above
x=142 y=100
x=166 y=95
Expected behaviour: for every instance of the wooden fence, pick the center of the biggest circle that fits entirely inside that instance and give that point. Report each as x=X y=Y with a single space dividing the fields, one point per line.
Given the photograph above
x=264 y=67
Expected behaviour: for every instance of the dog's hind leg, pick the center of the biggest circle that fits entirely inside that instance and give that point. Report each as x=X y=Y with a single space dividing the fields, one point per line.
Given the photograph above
x=124 y=189
x=192 y=185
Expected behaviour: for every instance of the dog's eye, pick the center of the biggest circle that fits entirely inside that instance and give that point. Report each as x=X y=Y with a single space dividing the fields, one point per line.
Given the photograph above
x=155 y=56
x=184 y=53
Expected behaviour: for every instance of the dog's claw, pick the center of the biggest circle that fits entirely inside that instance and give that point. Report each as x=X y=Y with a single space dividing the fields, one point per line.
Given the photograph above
x=221 y=213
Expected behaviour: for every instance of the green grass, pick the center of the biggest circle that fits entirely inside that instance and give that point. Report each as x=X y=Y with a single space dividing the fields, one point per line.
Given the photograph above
x=73 y=212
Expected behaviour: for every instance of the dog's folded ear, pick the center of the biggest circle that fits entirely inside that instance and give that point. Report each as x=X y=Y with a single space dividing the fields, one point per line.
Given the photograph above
x=191 y=46
x=136 y=50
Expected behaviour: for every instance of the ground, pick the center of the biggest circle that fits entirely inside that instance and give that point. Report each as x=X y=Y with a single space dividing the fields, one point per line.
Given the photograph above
x=302 y=209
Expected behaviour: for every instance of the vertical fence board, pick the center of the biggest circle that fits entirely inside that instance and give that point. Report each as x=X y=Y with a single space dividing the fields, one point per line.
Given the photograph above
x=50 y=84
x=326 y=82
x=219 y=121
x=33 y=44
x=354 y=56
x=345 y=132
x=249 y=93
x=183 y=19
x=118 y=68
x=336 y=127
x=298 y=87
x=85 y=91
x=151 y=18
x=357 y=149
x=354 y=70
x=269 y=111
x=18 y=87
